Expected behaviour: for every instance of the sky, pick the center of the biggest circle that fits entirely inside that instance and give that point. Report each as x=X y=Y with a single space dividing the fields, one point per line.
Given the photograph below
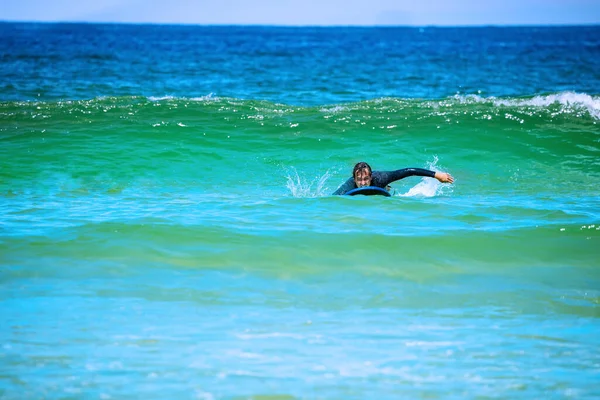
x=308 y=12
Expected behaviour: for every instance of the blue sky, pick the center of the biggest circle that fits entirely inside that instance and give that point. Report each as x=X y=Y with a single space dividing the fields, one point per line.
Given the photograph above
x=309 y=12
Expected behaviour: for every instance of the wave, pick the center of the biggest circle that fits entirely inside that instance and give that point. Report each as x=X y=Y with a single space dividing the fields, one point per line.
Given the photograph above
x=304 y=151
x=568 y=101
x=154 y=240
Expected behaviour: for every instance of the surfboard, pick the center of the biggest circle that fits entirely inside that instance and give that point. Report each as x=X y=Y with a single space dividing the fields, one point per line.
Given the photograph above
x=368 y=191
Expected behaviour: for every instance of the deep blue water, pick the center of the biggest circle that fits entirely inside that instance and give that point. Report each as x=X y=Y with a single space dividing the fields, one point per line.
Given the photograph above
x=299 y=66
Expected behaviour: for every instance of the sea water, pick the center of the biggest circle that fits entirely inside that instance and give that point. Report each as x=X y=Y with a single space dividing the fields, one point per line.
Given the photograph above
x=167 y=228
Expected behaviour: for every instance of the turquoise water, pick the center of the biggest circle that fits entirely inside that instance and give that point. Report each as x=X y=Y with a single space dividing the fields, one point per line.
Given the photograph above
x=167 y=227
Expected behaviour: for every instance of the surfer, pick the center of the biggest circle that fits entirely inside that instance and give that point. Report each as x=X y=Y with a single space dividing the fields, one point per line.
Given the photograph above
x=363 y=175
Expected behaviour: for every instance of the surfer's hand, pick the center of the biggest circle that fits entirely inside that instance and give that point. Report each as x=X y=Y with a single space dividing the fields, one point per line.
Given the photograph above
x=444 y=177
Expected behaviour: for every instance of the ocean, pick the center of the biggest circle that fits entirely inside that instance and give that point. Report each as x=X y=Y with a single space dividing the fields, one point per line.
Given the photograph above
x=167 y=228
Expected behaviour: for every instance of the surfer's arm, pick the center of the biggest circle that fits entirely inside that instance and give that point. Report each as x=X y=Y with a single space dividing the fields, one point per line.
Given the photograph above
x=347 y=186
x=386 y=177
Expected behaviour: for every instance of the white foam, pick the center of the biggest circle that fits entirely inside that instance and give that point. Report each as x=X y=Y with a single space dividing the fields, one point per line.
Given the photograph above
x=301 y=187
x=566 y=99
x=155 y=98
x=428 y=187
x=569 y=100
x=208 y=97
x=334 y=109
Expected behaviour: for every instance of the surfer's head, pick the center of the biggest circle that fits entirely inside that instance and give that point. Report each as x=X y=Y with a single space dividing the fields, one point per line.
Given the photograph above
x=362 y=174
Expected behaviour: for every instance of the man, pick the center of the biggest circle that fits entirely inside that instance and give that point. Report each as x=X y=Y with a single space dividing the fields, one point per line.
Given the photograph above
x=362 y=175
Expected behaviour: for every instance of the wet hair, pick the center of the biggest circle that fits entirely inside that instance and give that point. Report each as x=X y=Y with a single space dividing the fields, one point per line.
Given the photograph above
x=359 y=167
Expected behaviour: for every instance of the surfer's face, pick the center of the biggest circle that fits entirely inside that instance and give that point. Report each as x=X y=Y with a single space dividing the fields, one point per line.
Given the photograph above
x=362 y=178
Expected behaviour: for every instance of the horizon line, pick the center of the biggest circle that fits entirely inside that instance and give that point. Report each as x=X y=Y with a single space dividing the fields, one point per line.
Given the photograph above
x=483 y=25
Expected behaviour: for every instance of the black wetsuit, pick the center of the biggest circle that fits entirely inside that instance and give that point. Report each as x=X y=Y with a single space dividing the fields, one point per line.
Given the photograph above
x=383 y=178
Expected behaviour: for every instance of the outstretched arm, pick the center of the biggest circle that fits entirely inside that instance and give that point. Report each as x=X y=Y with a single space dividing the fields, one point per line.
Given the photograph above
x=384 y=178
